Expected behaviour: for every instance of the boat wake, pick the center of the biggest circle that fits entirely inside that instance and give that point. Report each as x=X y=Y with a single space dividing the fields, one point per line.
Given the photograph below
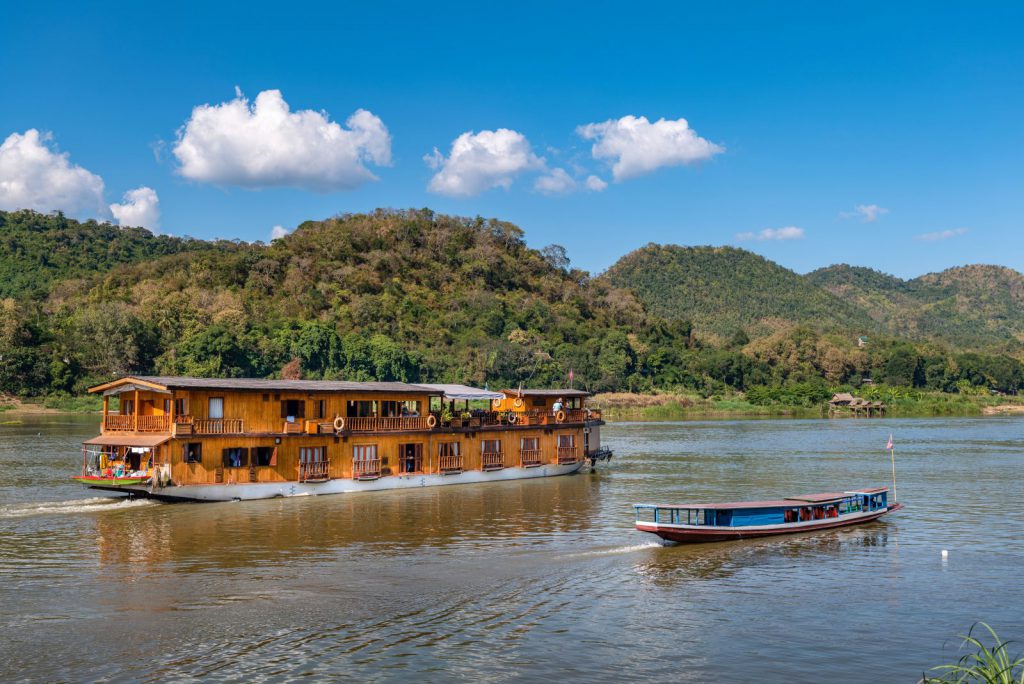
x=614 y=551
x=96 y=504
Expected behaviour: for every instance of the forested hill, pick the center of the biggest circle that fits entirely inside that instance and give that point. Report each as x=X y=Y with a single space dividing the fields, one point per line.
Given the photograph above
x=418 y=296
x=724 y=289
x=36 y=250
x=974 y=306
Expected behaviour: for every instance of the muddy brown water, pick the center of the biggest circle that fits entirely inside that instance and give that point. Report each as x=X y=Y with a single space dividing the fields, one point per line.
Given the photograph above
x=521 y=581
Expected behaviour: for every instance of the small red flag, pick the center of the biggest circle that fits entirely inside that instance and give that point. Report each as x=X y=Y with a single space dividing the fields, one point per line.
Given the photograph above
x=889 y=445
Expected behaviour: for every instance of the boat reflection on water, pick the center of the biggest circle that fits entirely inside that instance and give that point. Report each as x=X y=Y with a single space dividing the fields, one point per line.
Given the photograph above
x=669 y=565
x=518 y=514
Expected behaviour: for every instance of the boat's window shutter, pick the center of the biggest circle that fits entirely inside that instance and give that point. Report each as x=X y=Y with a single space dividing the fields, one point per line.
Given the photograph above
x=273 y=457
x=284 y=408
x=300 y=409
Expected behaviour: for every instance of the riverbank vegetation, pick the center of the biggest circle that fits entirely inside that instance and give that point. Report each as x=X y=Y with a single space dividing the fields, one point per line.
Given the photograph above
x=986 y=664
x=418 y=296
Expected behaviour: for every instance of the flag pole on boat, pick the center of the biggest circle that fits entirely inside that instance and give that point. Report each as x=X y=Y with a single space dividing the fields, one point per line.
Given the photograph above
x=892 y=452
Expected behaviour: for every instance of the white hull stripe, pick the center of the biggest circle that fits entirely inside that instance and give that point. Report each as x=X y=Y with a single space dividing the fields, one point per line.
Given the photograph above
x=269 y=490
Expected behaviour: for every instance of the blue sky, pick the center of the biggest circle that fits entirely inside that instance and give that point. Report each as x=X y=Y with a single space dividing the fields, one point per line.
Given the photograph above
x=809 y=110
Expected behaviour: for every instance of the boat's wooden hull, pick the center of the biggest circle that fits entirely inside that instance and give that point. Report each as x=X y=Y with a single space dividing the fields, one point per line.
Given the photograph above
x=693 y=534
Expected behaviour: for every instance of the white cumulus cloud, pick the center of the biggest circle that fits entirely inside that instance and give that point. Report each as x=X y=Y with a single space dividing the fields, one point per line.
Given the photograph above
x=557 y=181
x=278 y=232
x=481 y=161
x=139 y=207
x=265 y=144
x=596 y=184
x=638 y=146
x=787 y=233
x=868 y=213
x=942 y=234
x=34 y=175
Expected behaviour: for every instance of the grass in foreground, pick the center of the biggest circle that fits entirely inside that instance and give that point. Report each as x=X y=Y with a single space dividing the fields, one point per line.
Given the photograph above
x=988 y=665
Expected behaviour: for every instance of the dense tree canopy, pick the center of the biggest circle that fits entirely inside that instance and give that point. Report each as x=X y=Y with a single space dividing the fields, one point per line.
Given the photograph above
x=417 y=296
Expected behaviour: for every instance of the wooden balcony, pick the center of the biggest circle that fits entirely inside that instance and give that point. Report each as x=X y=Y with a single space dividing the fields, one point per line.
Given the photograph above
x=218 y=426
x=492 y=460
x=314 y=471
x=366 y=469
x=389 y=424
x=114 y=422
x=450 y=464
x=530 y=458
x=568 y=455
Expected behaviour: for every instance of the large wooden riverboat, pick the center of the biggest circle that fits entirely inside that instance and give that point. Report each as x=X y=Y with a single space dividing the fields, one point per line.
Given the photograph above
x=689 y=523
x=228 y=439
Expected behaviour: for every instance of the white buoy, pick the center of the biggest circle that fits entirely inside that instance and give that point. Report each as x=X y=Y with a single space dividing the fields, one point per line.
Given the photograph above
x=945 y=554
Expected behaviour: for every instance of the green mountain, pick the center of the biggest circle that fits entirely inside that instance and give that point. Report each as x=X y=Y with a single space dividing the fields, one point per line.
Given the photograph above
x=974 y=307
x=723 y=289
x=37 y=250
x=418 y=296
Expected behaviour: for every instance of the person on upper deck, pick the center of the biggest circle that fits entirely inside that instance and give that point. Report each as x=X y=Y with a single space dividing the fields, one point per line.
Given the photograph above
x=557 y=406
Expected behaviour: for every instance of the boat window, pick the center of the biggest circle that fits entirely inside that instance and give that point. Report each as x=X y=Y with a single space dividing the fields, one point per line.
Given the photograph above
x=320 y=408
x=313 y=454
x=235 y=457
x=181 y=407
x=529 y=443
x=364 y=452
x=566 y=441
x=411 y=408
x=128 y=407
x=448 y=449
x=192 y=452
x=491 y=446
x=361 y=409
x=216 y=408
x=538 y=403
x=264 y=456
x=293 y=408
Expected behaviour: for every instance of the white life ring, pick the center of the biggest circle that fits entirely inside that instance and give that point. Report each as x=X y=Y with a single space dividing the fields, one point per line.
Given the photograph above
x=518 y=403
x=512 y=418
x=431 y=421
x=339 y=424
x=588 y=412
x=496 y=403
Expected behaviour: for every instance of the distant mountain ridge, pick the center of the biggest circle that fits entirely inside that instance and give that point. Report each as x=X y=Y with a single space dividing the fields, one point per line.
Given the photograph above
x=722 y=289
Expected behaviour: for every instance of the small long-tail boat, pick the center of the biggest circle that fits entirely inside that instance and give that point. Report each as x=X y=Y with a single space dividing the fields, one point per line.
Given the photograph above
x=689 y=523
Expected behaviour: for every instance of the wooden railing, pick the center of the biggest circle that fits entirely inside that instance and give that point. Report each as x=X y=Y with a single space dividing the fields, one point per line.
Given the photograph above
x=218 y=426
x=450 y=464
x=314 y=470
x=530 y=458
x=567 y=455
x=366 y=469
x=492 y=460
x=389 y=424
x=114 y=422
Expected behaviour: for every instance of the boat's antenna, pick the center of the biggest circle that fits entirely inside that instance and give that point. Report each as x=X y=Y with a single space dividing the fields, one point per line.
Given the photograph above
x=892 y=452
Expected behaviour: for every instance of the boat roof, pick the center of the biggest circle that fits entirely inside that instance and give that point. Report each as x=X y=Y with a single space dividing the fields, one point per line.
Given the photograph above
x=461 y=392
x=167 y=382
x=790 y=502
x=546 y=393
x=128 y=440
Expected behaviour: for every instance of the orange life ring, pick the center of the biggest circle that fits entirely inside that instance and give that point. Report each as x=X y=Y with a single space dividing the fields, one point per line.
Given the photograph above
x=339 y=424
x=496 y=403
x=431 y=421
x=560 y=416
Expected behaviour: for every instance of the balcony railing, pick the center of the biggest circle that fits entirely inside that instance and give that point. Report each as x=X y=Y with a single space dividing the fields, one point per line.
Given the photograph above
x=386 y=424
x=314 y=471
x=492 y=460
x=530 y=458
x=218 y=426
x=114 y=422
x=366 y=469
x=568 y=455
x=450 y=464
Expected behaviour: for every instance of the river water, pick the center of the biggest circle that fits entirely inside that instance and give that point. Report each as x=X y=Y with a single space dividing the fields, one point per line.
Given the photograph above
x=531 y=580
